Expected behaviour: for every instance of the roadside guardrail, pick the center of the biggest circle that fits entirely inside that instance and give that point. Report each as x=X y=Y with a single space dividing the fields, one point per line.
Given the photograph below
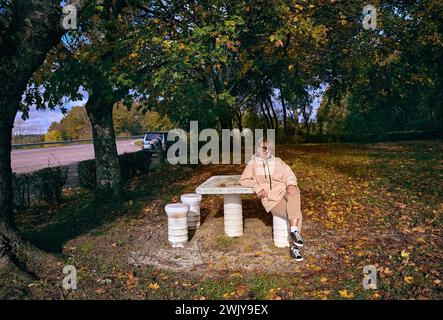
x=67 y=142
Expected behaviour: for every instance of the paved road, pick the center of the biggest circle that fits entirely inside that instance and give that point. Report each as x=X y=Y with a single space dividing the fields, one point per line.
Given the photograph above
x=27 y=160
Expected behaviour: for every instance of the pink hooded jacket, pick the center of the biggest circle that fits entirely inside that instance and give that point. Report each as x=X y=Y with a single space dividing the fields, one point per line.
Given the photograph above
x=273 y=175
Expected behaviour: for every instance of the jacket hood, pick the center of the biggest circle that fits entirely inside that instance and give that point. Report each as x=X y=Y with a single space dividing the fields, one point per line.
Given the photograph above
x=256 y=157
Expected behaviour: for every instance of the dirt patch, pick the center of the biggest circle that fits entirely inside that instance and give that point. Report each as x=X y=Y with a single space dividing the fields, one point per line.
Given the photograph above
x=209 y=251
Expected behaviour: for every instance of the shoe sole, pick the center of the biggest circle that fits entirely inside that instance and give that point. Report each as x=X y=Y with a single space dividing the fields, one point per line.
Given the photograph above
x=295 y=243
x=298 y=245
x=297 y=259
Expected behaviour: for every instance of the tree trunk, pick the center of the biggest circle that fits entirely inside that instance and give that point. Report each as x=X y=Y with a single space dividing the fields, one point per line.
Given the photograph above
x=6 y=195
x=12 y=246
x=107 y=165
x=274 y=115
x=239 y=121
x=34 y=29
x=268 y=123
x=283 y=104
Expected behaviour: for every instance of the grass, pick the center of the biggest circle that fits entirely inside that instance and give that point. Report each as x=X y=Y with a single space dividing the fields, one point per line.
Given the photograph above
x=371 y=204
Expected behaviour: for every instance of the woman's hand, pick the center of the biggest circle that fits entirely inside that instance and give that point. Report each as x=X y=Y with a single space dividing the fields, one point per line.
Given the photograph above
x=291 y=190
x=262 y=194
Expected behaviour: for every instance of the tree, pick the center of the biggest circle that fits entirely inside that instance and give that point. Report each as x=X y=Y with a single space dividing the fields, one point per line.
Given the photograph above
x=95 y=59
x=29 y=30
x=74 y=125
x=224 y=58
x=135 y=121
x=389 y=79
x=53 y=136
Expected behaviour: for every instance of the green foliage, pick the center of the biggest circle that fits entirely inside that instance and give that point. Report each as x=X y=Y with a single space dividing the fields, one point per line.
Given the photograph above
x=134 y=164
x=395 y=85
x=49 y=183
x=45 y=185
x=21 y=186
x=136 y=122
x=86 y=174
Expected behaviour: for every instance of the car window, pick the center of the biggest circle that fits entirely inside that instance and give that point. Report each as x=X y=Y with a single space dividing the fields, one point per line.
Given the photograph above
x=151 y=136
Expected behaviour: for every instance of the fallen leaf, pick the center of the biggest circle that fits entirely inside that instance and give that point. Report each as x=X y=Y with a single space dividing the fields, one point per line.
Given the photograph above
x=405 y=254
x=154 y=286
x=409 y=279
x=346 y=294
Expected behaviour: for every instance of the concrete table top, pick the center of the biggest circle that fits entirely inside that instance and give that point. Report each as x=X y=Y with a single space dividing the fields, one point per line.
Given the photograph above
x=224 y=184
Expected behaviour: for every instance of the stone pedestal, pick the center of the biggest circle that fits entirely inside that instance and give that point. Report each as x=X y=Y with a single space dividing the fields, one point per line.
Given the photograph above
x=193 y=200
x=177 y=223
x=233 y=215
x=280 y=230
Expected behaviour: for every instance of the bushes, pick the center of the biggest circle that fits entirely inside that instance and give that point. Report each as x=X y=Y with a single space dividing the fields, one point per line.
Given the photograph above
x=86 y=174
x=21 y=186
x=131 y=165
x=50 y=182
x=45 y=184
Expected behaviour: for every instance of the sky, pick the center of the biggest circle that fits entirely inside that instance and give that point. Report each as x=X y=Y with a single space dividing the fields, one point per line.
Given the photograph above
x=40 y=120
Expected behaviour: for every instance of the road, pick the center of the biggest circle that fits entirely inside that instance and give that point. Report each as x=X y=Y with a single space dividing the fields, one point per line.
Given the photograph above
x=27 y=160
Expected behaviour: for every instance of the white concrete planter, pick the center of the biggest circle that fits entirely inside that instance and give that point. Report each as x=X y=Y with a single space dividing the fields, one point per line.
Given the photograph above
x=280 y=232
x=233 y=215
x=177 y=223
x=193 y=200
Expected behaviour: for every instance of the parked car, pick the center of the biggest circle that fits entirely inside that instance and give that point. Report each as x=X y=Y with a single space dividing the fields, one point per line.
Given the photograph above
x=155 y=141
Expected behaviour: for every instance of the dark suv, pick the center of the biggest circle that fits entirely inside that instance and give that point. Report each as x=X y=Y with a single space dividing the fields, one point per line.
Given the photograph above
x=155 y=141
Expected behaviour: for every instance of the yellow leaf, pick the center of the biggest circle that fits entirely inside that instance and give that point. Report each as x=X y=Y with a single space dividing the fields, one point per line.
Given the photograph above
x=409 y=279
x=154 y=286
x=346 y=294
x=323 y=279
x=405 y=254
x=419 y=229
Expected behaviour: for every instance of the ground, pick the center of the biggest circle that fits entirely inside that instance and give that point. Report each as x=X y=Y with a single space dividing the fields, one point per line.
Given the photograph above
x=363 y=204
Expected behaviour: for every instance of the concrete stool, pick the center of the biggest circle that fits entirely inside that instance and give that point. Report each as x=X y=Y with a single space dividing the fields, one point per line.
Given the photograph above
x=177 y=223
x=193 y=200
x=233 y=215
x=280 y=232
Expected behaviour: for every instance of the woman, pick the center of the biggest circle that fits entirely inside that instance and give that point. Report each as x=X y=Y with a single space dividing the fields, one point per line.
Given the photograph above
x=276 y=185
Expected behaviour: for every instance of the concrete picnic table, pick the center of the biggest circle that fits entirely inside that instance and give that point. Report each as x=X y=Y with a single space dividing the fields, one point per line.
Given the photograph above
x=230 y=188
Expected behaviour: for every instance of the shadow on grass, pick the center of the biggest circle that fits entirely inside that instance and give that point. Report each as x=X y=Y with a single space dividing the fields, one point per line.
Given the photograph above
x=82 y=214
x=73 y=221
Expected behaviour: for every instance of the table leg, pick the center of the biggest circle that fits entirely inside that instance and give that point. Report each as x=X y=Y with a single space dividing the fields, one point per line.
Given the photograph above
x=233 y=215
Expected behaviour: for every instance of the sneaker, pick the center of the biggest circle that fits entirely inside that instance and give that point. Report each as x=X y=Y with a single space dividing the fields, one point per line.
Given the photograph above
x=297 y=239
x=295 y=253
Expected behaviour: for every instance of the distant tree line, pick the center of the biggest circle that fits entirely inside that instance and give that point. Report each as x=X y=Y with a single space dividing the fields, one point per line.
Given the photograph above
x=76 y=124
